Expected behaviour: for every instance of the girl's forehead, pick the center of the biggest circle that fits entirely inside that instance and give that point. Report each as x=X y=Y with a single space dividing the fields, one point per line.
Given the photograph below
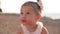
x=27 y=8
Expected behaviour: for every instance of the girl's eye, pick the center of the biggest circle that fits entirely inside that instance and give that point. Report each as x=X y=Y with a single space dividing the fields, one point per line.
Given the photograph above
x=28 y=13
x=21 y=12
x=38 y=0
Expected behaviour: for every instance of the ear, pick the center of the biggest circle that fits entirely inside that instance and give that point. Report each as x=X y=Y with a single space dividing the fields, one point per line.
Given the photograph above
x=38 y=17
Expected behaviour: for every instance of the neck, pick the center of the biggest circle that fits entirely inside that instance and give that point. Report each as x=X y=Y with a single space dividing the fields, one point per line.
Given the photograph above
x=31 y=27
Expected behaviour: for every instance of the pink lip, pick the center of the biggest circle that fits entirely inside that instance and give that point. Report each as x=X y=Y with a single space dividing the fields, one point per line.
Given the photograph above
x=23 y=20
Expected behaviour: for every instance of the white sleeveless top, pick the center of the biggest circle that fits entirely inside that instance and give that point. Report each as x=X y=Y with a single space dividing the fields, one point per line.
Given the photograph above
x=37 y=31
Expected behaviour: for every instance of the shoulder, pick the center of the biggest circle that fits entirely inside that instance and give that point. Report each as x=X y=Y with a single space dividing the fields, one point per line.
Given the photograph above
x=19 y=30
x=44 y=31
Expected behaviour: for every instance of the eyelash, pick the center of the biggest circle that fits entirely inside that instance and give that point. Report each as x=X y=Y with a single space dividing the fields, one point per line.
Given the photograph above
x=21 y=12
x=26 y=13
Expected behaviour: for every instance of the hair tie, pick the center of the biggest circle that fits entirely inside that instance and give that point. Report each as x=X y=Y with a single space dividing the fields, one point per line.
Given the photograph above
x=40 y=4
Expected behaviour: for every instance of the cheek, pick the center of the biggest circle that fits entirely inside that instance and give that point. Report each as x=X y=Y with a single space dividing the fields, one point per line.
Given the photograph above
x=30 y=19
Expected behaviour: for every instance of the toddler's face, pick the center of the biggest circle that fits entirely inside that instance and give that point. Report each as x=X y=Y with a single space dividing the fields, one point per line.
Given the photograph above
x=28 y=15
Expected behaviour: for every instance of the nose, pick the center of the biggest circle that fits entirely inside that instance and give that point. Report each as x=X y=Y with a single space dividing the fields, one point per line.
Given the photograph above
x=23 y=16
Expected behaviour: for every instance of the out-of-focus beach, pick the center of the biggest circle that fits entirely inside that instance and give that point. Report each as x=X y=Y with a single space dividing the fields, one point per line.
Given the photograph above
x=9 y=24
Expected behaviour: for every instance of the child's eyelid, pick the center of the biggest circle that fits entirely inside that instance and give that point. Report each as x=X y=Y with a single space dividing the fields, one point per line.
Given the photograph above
x=21 y=12
x=28 y=13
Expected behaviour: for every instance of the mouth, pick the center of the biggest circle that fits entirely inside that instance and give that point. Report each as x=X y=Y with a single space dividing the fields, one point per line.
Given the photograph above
x=23 y=20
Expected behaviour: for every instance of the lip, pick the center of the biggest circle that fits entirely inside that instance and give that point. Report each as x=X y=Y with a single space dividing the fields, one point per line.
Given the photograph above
x=23 y=20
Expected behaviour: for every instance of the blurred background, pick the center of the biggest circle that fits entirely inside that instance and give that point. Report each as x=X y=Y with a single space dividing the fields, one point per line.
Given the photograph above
x=10 y=10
